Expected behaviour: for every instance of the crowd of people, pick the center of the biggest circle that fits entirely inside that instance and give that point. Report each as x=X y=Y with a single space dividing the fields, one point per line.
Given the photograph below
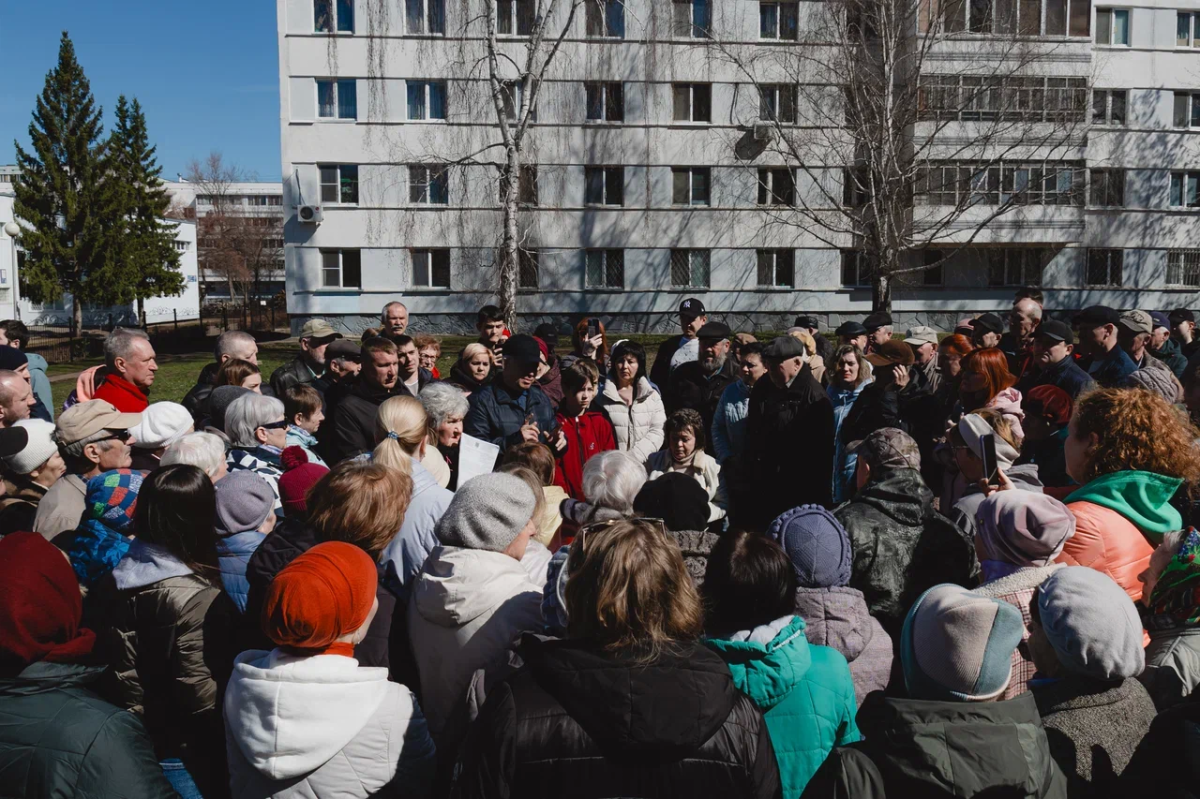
x=831 y=564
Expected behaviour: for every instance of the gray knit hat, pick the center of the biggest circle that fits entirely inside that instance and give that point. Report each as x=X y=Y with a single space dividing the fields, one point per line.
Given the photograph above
x=488 y=512
x=1160 y=381
x=244 y=501
x=1091 y=623
x=957 y=645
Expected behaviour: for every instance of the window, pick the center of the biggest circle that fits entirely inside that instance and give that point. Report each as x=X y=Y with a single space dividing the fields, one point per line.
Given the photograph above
x=962 y=184
x=606 y=18
x=425 y=16
x=528 y=269
x=934 y=273
x=605 y=101
x=431 y=269
x=691 y=19
x=1185 y=189
x=778 y=20
x=514 y=97
x=1107 y=188
x=1108 y=107
x=428 y=185
x=690 y=268
x=527 y=186
x=776 y=268
x=605 y=269
x=1187 y=29
x=777 y=101
x=971 y=98
x=1005 y=17
x=856 y=186
x=1183 y=267
x=339 y=184
x=1016 y=266
x=604 y=185
x=690 y=186
x=1112 y=26
x=426 y=100
x=333 y=15
x=341 y=269
x=337 y=99
x=776 y=187
x=856 y=269
x=514 y=17
x=1104 y=267
x=693 y=102
x=1187 y=110
x=181 y=246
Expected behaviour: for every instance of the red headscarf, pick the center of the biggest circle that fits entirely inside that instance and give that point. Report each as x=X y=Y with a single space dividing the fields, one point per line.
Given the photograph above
x=320 y=596
x=40 y=605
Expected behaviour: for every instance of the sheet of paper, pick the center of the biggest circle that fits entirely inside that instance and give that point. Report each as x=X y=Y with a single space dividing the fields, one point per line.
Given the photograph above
x=475 y=457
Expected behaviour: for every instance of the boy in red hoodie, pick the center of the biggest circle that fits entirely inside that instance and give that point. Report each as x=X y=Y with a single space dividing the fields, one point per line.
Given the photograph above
x=588 y=432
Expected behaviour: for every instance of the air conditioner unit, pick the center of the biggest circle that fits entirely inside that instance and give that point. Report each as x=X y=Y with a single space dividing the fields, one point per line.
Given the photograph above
x=309 y=214
x=763 y=131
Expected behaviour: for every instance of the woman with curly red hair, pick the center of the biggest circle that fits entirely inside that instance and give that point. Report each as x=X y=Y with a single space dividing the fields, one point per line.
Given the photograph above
x=951 y=352
x=987 y=383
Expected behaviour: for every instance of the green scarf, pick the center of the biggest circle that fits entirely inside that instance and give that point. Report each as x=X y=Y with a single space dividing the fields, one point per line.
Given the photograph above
x=1175 y=601
x=1141 y=497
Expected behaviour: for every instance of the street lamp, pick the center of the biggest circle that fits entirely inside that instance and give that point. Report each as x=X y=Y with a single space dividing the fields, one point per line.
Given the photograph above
x=13 y=231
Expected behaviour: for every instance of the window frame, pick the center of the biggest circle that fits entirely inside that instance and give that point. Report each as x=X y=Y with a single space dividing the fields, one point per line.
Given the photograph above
x=427 y=16
x=514 y=20
x=1112 y=257
x=607 y=176
x=1187 y=180
x=430 y=267
x=692 y=258
x=1188 y=262
x=336 y=86
x=695 y=29
x=1109 y=183
x=604 y=90
x=1028 y=264
x=692 y=105
x=775 y=254
x=768 y=194
x=427 y=100
x=1191 y=109
x=339 y=184
x=335 y=26
x=858 y=262
x=514 y=96
x=691 y=172
x=529 y=261
x=1107 y=118
x=434 y=180
x=778 y=27
x=606 y=254
x=1111 y=12
x=340 y=267
x=769 y=96
x=527 y=187
x=604 y=9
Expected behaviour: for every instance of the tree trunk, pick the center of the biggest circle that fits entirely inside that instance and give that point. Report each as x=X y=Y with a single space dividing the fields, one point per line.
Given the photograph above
x=881 y=295
x=76 y=314
x=141 y=311
x=509 y=256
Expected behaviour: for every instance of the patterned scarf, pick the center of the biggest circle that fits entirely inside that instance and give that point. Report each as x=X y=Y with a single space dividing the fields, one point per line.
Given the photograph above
x=1175 y=601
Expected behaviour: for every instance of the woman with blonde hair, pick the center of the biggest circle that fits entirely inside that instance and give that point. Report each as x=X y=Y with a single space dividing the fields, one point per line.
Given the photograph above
x=634 y=636
x=474 y=368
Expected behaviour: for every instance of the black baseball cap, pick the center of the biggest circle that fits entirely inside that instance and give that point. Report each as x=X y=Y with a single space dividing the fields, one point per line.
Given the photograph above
x=877 y=320
x=691 y=307
x=547 y=333
x=13 y=440
x=806 y=321
x=717 y=330
x=1096 y=315
x=1056 y=330
x=523 y=349
x=850 y=330
x=1181 y=315
x=988 y=323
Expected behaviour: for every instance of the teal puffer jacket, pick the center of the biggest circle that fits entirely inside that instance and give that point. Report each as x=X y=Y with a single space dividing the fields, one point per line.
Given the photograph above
x=805 y=693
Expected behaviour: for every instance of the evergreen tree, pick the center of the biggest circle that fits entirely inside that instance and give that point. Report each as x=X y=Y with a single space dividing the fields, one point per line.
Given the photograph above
x=148 y=260
x=64 y=193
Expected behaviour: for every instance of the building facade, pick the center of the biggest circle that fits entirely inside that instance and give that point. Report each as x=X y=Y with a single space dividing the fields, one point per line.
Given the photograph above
x=642 y=191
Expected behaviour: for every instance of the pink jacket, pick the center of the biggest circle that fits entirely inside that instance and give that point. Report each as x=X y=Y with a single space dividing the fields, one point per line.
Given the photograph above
x=1008 y=402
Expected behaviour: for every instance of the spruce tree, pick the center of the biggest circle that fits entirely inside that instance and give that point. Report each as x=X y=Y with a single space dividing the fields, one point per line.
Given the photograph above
x=64 y=193
x=148 y=260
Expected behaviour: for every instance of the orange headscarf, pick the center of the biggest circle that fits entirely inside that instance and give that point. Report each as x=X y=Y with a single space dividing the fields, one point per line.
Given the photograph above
x=323 y=594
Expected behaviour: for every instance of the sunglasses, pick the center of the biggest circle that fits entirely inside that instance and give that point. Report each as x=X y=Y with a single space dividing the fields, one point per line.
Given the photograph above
x=596 y=528
x=118 y=435
x=282 y=423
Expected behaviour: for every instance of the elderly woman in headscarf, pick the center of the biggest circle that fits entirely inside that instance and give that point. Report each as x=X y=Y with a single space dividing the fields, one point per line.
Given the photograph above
x=1018 y=535
x=1170 y=609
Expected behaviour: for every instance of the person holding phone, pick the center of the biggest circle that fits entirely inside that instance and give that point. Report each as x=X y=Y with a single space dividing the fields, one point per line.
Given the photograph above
x=513 y=409
x=590 y=341
x=985 y=449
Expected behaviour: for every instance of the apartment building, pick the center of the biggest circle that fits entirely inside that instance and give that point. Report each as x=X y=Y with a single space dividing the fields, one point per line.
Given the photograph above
x=640 y=189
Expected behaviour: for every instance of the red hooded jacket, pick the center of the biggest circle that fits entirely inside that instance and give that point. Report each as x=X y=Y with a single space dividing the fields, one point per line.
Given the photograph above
x=587 y=435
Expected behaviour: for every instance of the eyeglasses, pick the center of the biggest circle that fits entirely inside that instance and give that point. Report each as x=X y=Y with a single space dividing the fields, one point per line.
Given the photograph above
x=118 y=435
x=282 y=423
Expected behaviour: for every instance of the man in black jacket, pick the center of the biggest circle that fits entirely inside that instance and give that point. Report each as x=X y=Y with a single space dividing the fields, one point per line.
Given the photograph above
x=879 y=405
x=789 y=440
x=1053 y=364
x=412 y=375
x=309 y=365
x=230 y=344
x=698 y=385
x=692 y=317
x=513 y=409
x=354 y=418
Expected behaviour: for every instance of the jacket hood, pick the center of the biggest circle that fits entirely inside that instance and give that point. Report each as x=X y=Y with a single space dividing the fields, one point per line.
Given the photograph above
x=240 y=543
x=846 y=396
x=42 y=676
x=642 y=712
x=35 y=361
x=1008 y=402
x=145 y=564
x=836 y=617
x=1141 y=497
x=900 y=494
x=457 y=586
x=289 y=715
x=768 y=661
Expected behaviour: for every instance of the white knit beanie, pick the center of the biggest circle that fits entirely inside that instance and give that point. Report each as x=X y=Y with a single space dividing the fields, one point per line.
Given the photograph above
x=163 y=423
x=37 y=450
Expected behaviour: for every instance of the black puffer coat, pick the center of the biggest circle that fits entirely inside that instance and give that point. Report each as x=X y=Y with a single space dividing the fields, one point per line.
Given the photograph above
x=583 y=723
x=690 y=387
x=196 y=400
x=354 y=417
x=902 y=546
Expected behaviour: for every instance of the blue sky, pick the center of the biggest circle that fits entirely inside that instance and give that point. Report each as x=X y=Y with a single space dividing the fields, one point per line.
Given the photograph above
x=206 y=73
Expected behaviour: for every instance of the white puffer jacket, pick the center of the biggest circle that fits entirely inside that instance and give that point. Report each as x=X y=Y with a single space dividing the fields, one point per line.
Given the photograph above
x=639 y=429
x=322 y=726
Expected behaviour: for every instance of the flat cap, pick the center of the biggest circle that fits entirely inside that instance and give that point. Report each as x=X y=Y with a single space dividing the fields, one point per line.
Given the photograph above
x=714 y=330
x=877 y=320
x=784 y=347
x=1095 y=315
x=850 y=330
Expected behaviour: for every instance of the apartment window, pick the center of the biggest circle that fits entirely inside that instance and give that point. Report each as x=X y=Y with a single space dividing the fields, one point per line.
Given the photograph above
x=972 y=98
x=856 y=187
x=431 y=269
x=605 y=18
x=514 y=17
x=428 y=185
x=605 y=101
x=691 y=19
x=1183 y=267
x=693 y=102
x=181 y=246
x=339 y=184
x=778 y=20
x=690 y=268
x=604 y=185
x=425 y=16
x=341 y=269
x=1005 y=17
x=961 y=184
x=337 y=99
x=1187 y=110
x=605 y=269
x=1107 y=188
x=776 y=187
x=690 y=186
x=527 y=186
x=1104 y=267
x=934 y=272
x=776 y=268
x=1108 y=107
x=856 y=269
x=275 y=199
x=1015 y=267
x=333 y=15
x=514 y=98
x=1185 y=189
x=528 y=269
x=426 y=100
x=777 y=101
x=1112 y=26
x=1187 y=29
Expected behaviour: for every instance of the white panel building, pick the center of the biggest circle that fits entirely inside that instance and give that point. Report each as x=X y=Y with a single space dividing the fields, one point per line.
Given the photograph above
x=375 y=93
